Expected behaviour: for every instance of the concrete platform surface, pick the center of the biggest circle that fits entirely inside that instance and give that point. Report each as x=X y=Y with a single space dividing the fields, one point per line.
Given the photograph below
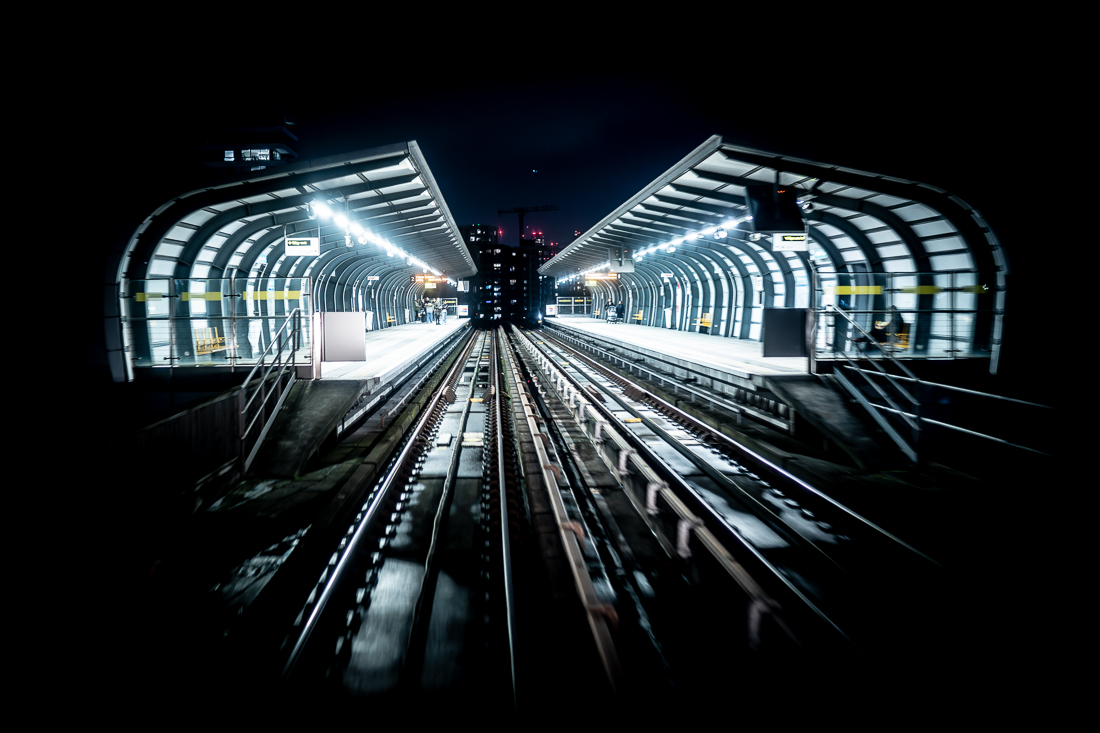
x=390 y=350
x=738 y=356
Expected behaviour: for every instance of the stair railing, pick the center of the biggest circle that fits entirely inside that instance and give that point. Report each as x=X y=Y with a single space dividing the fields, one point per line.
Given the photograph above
x=266 y=387
x=898 y=398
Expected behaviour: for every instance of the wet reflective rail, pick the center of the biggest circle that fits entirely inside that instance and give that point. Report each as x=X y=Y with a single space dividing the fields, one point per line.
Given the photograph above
x=417 y=599
x=813 y=575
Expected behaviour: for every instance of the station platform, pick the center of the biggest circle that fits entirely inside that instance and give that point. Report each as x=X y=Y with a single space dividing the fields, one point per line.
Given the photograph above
x=773 y=390
x=391 y=350
x=314 y=409
x=738 y=357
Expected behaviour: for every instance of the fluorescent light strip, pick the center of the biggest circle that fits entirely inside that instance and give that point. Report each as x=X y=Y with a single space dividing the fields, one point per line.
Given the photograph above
x=365 y=234
x=670 y=246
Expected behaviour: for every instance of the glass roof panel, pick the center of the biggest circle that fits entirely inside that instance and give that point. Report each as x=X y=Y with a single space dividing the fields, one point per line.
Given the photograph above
x=888 y=201
x=914 y=212
x=263 y=197
x=827 y=229
x=901 y=265
x=931 y=228
x=164 y=249
x=961 y=261
x=198 y=217
x=944 y=244
x=883 y=236
x=897 y=250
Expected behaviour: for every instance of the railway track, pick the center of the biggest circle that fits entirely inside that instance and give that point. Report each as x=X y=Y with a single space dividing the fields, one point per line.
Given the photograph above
x=841 y=580
x=547 y=519
x=402 y=604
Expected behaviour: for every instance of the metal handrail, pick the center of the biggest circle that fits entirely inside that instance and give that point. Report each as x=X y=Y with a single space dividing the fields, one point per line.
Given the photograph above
x=964 y=390
x=292 y=330
x=912 y=420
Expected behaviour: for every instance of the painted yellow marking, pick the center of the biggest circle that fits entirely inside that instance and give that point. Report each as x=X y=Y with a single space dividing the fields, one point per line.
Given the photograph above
x=201 y=296
x=923 y=289
x=633 y=419
x=142 y=297
x=979 y=289
x=476 y=399
x=857 y=289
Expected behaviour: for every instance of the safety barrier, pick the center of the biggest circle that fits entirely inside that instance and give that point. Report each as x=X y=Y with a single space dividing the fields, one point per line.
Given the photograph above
x=205 y=343
x=269 y=383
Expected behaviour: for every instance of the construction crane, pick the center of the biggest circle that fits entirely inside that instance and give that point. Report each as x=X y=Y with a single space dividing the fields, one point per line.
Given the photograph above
x=521 y=210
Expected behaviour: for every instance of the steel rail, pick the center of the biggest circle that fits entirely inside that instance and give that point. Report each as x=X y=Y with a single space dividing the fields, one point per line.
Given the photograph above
x=425 y=597
x=777 y=471
x=694 y=393
x=506 y=548
x=632 y=451
x=380 y=498
x=567 y=533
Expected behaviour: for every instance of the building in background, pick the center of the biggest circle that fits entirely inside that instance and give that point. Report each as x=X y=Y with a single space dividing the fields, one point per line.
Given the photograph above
x=505 y=287
x=249 y=140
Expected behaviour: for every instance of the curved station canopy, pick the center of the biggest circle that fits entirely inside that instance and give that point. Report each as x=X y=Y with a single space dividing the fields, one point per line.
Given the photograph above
x=687 y=240
x=355 y=224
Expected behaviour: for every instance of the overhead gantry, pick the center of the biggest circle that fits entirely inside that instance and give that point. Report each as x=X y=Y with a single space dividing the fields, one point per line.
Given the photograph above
x=874 y=241
x=213 y=263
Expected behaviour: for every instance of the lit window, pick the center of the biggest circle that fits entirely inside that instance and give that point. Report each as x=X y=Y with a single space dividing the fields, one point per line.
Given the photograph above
x=229 y=156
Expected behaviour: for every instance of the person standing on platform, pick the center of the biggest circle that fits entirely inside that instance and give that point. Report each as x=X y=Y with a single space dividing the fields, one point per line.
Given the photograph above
x=431 y=311
x=444 y=312
x=620 y=311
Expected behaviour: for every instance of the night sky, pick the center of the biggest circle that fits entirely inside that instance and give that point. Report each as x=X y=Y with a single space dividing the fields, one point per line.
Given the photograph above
x=597 y=137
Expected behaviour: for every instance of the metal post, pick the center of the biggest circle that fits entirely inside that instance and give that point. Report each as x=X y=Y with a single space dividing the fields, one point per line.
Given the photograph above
x=811 y=356
x=171 y=333
x=954 y=346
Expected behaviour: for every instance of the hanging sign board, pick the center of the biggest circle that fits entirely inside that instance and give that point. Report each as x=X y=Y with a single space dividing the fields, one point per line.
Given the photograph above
x=791 y=242
x=372 y=277
x=463 y=311
x=428 y=279
x=551 y=309
x=601 y=276
x=429 y=286
x=666 y=274
x=303 y=246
